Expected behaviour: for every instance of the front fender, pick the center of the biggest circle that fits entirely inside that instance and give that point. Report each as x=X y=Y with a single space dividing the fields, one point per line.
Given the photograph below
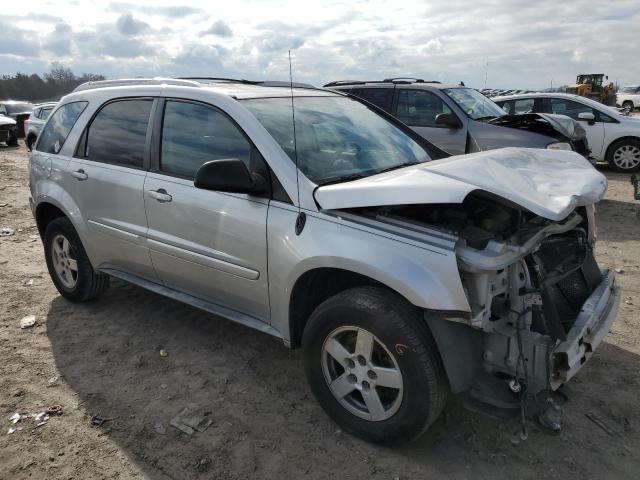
x=426 y=275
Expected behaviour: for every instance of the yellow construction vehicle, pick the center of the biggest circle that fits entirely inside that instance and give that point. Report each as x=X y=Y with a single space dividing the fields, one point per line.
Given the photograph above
x=591 y=85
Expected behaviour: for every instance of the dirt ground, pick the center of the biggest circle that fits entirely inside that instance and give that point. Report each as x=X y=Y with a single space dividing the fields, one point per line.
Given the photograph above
x=102 y=358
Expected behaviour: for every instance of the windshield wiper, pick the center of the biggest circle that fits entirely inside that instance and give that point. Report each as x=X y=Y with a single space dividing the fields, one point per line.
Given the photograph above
x=346 y=178
x=487 y=117
x=358 y=176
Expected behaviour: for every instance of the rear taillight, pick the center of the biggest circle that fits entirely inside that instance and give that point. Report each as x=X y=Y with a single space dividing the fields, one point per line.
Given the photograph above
x=26 y=124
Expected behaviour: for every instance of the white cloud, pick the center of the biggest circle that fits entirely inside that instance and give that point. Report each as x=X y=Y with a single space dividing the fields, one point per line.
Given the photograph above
x=521 y=44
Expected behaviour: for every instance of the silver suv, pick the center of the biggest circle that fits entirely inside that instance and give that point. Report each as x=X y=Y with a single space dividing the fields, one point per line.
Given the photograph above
x=328 y=224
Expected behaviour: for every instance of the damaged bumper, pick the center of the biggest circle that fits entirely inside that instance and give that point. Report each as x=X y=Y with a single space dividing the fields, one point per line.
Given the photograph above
x=590 y=327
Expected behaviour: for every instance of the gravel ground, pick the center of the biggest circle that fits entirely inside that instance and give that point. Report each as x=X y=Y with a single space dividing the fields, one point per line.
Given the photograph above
x=103 y=359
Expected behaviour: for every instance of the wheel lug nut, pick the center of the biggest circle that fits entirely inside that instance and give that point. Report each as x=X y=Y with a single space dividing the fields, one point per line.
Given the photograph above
x=350 y=363
x=361 y=360
x=365 y=386
x=372 y=375
x=352 y=378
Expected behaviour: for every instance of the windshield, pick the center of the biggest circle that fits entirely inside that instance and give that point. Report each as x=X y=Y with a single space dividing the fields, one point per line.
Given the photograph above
x=337 y=138
x=474 y=104
x=18 y=107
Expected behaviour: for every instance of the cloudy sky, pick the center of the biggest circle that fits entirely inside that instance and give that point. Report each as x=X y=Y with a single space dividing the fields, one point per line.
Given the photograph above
x=511 y=44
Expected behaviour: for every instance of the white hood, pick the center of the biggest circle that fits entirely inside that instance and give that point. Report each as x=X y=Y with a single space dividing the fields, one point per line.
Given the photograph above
x=550 y=183
x=6 y=120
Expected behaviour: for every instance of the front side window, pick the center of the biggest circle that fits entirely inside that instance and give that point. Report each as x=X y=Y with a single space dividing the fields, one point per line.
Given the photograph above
x=57 y=129
x=337 y=138
x=45 y=112
x=419 y=108
x=380 y=97
x=569 y=108
x=524 y=105
x=193 y=134
x=474 y=104
x=118 y=132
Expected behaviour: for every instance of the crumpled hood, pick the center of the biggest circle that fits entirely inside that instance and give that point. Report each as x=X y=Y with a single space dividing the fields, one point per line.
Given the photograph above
x=6 y=120
x=550 y=183
x=565 y=126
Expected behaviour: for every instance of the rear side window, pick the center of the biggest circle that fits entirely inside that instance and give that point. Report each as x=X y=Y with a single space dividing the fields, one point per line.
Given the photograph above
x=419 y=108
x=380 y=97
x=57 y=130
x=193 y=134
x=118 y=133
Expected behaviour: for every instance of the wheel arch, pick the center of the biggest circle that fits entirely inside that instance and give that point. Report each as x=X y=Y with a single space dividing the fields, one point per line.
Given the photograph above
x=46 y=212
x=618 y=140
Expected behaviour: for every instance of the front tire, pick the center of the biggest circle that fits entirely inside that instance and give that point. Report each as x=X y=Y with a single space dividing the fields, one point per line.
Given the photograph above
x=13 y=141
x=373 y=365
x=68 y=263
x=628 y=106
x=624 y=155
x=29 y=141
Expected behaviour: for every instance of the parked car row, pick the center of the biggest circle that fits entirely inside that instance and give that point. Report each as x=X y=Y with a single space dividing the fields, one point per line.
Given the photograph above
x=460 y=120
x=404 y=273
x=35 y=122
x=613 y=136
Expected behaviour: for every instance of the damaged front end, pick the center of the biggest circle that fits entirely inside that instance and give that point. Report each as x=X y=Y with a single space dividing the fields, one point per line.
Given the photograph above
x=539 y=303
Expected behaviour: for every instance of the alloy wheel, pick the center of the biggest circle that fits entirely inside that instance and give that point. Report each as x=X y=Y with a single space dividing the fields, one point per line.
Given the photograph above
x=64 y=263
x=627 y=157
x=362 y=374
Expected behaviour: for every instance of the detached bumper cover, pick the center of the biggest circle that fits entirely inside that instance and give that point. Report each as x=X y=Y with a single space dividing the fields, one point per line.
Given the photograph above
x=590 y=327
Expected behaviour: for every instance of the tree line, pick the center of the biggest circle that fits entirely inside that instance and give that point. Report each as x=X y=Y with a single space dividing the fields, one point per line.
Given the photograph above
x=52 y=85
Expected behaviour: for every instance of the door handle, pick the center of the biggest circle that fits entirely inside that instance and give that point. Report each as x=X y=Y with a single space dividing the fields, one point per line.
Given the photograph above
x=80 y=175
x=160 y=195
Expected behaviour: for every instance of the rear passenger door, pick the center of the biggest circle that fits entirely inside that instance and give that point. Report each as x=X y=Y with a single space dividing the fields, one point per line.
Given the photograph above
x=419 y=108
x=108 y=173
x=208 y=244
x=381 y=97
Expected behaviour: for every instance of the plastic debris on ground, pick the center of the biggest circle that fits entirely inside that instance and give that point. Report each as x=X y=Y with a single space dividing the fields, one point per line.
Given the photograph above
x=6 y=231
x=98 y=421
x=191 y=419
x=28 y=321
x=28 y=283
x=164 y=353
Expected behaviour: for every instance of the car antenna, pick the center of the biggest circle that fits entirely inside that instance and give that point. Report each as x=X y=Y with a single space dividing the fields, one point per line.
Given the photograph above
x=302 y=217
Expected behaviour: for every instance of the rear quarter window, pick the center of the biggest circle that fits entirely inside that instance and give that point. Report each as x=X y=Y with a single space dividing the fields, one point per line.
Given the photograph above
x=57 y=129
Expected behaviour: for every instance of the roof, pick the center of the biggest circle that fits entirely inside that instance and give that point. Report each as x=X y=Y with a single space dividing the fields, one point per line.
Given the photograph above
x=237 y=88
x=538 y=95
x=405 y=82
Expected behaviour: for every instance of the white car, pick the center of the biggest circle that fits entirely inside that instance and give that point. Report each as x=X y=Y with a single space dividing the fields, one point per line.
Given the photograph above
x=628 y=98
x=613 y=136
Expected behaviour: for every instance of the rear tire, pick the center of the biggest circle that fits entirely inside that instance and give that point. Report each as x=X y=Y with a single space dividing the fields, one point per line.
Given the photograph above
x=624 y=155
x=403 y=370
x=68 y=263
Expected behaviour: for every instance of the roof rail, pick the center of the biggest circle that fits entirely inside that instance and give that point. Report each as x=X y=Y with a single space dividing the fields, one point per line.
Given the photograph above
x=262 y=83
x=400 y=80
x=135 y=81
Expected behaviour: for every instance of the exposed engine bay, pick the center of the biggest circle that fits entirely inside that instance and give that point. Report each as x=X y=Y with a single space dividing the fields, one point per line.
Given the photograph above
x=529 y=282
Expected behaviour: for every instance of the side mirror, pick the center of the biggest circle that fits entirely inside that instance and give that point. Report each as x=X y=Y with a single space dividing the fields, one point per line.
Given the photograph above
x=587 y=116
x=228 y=175
x=448 y=120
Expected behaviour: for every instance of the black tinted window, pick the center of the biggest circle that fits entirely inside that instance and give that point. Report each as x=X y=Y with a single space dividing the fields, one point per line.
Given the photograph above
x=117 y=134
x=419 y=108
x=380 y=97
x=60 y=124
x=193 y=134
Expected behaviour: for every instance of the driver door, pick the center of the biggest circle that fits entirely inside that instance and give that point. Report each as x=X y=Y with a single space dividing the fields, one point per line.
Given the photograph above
x=211 y=245
x=419 y=108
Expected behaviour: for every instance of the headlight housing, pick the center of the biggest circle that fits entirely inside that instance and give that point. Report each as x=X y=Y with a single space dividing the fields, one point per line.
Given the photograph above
x=559 y=146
